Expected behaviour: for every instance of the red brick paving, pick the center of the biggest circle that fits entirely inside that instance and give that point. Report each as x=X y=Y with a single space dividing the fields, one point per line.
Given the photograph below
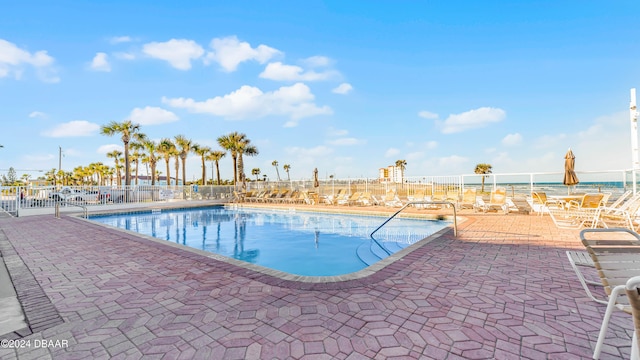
x=502 y=290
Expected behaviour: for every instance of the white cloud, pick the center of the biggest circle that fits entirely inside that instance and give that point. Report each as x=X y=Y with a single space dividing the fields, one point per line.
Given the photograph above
x=249 y=102
x=38 y=114
x=120 y=39
x=109 y=148
x=281 y=72
x=431 y=144
x=73 y=129
x=337 y=132
x=124 y=56
x=100 y=62
x=342 y=89
x=452 y=160
x=317 y=61
x=314 y=152
x=512 y=139
x=549 y=141
x=152 y=116
x=346 y=142
x=391 y=152
x=13 y=59
x=229 y=52
x=472 y=119
x=178 y=53
x=428 y=115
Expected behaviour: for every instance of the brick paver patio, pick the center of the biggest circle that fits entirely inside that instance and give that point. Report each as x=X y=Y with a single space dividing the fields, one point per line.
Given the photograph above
x=503 y=289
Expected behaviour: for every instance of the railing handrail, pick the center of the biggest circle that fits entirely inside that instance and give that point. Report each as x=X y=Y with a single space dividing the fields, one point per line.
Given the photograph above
x=85 y=213
x=455 y=218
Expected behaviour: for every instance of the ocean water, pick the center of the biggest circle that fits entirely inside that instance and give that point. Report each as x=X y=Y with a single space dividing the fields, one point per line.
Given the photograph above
x=616 y=188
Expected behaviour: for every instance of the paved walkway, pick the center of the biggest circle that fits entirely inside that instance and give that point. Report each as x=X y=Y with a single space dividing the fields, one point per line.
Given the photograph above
x=502 y=290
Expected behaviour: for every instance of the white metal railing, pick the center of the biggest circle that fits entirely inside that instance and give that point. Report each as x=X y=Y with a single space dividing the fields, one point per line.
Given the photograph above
x=615 y=181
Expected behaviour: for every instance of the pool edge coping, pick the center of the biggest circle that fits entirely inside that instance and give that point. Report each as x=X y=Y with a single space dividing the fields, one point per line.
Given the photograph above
x=277 y=277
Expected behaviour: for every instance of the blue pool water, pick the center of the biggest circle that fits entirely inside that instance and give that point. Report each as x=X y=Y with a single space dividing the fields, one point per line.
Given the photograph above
x=301 y=243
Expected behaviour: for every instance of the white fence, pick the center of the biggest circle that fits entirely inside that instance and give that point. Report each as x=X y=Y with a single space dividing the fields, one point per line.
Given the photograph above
x=46 y=197
x=43 y=199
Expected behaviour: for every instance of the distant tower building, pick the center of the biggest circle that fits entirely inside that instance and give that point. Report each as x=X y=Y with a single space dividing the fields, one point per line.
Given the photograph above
x=391 y=174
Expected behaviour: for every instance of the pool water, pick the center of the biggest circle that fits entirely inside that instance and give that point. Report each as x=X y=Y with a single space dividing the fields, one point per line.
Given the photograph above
x=301 y=243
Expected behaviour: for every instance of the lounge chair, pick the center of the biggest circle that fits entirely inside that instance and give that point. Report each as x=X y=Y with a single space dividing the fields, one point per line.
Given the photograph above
x=540 y=204
x=624 y=215
x=497 y=200
x=366 y=199
x=588 y=201
x=616 y=261
x=417 y=197
x=578 y=214
x=351 y=200
x=632 y=289
x=469 y=199
x=392 y=199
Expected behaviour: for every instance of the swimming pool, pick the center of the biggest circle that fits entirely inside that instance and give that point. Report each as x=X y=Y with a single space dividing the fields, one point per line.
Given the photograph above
x=300 y=243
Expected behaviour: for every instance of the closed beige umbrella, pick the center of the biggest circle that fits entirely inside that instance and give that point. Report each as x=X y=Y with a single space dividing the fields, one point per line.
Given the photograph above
x=570 y=177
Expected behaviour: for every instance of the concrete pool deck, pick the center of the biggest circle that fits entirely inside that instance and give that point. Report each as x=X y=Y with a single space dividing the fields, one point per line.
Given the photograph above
x=502 y=289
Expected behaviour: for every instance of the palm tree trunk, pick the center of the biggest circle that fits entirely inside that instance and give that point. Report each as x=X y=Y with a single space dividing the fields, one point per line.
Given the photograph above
x=204 y=172
x=218 y=172
x=241 y=176
x=235 y=168
x=184 y=170
x=168 y=175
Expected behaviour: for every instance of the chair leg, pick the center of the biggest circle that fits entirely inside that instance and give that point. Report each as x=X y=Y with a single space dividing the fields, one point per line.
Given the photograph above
x=584 y=281
x=635 y=354
x=605 y=321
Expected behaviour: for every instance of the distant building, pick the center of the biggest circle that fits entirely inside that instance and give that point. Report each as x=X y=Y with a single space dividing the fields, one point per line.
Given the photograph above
x=391 y=173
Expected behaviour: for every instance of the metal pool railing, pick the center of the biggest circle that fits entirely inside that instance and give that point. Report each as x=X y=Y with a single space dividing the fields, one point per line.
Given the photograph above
x=455 y=217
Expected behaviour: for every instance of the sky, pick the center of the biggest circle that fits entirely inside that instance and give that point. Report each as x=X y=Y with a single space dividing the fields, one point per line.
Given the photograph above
x=347 y=87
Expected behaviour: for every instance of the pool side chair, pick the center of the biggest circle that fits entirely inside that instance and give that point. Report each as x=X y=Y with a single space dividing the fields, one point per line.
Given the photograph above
x=623 y=215
x=391 y=199
x=632 y=289
x=589 y=201
x=365 y=200
x=540 y=204
x=417 y=197
x=580 y=214
x=497 y=200
x=468 y=199
x=350 y=200
x=616 y=259
x=581 y=259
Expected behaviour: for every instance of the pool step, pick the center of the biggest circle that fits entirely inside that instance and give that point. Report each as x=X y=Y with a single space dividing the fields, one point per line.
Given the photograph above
x=371 y=252
x=366 y=255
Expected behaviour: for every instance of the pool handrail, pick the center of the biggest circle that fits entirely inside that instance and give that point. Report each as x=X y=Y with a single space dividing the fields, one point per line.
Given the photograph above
x=455 y=218
x=85 y=211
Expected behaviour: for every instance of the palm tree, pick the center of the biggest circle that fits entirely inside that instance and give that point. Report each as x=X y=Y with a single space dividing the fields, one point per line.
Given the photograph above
x=152 y=150
x=115 y=155
x=402 y=164
x=255 y=172
x=230 y=144
x=216 y=156
x=184 y=146
x=286 y=168
x=137 y=145
x=483 y=169
x=203 y=151
x=275 y=164
x=244 y=147
x=126 y=129
x=166 y=149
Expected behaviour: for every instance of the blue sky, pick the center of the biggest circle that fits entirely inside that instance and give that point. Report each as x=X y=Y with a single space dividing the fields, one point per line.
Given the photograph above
x=344 y=86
